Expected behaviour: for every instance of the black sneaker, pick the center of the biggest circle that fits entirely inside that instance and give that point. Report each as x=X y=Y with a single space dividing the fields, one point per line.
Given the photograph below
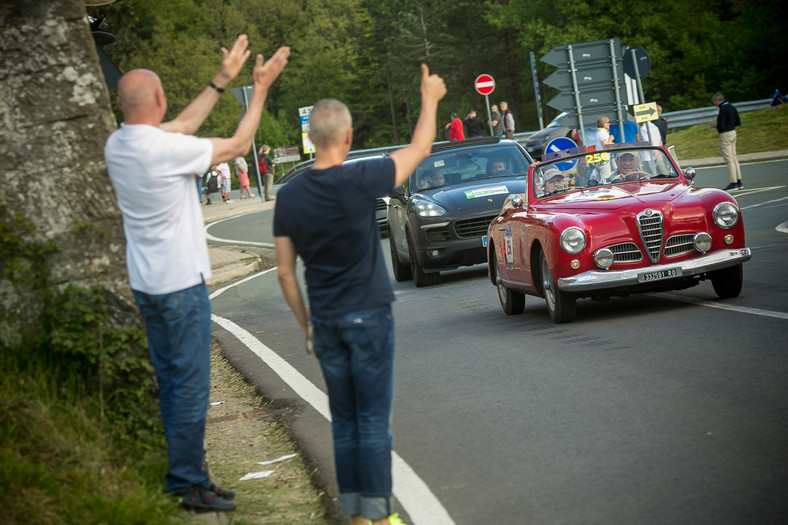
x=203 y=499
x=739 y=185
x=730 y=187
x=222 y=493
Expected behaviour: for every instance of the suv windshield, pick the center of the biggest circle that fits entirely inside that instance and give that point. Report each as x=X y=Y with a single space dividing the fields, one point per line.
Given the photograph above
x=458 y=167
x=621 y=166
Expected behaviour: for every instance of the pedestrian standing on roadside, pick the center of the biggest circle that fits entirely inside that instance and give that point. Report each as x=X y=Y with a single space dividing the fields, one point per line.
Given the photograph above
x=662 y=126
x=602 y=139
x=455 y=128
x=495 y=121
x=727 y=120
x=508 y=121
x=326 y=216
x=267 y=163
x=151 y=165
x=242 y=172
x=224 y=173
x=474 y=124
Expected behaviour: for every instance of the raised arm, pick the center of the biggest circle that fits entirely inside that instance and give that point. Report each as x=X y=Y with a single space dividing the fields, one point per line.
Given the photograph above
x=264 y=74
x=193 y=115
x=407 y=159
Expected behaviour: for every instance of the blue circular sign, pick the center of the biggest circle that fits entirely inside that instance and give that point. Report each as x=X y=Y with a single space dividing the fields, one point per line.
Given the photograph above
x=560 y=144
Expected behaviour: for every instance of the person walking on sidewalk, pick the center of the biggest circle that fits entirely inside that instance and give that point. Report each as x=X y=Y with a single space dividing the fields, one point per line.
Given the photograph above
x=727 y=120
x=242 y=172
x=267 y=166
x=350 y=328
x=151 y=165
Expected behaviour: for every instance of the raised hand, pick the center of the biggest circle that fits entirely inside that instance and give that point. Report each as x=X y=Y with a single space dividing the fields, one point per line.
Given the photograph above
x=234 y=59
x=265 y=72
x=432 y=86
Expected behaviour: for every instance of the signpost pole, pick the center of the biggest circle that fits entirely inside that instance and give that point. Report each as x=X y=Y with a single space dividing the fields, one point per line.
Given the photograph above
x=536 y=90
x=640 y=88
x=573 y=70
x=617 y=88
x=489 y=114
x=254 y=154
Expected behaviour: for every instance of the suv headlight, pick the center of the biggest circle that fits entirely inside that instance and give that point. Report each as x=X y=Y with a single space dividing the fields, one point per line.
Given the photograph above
x=573 y=240
x=725 y=215
x=429 y=209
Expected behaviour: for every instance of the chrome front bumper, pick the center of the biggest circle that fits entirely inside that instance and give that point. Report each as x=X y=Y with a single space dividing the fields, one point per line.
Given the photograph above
x=597 y=280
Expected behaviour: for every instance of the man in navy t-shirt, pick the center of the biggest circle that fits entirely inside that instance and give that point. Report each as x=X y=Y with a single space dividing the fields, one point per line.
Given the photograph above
x=327 y=216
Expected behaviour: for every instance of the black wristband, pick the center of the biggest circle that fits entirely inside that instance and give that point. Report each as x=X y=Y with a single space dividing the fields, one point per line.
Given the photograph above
x=217 y=88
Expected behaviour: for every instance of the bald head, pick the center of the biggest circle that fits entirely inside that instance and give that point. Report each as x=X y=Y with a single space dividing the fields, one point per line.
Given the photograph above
x=141 y=97
x=329 y=123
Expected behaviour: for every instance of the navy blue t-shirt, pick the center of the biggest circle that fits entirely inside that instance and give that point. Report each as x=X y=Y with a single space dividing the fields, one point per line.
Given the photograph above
x=330 y=217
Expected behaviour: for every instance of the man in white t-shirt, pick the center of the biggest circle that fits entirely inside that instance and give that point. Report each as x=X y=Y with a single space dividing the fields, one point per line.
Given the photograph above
x=152 y=165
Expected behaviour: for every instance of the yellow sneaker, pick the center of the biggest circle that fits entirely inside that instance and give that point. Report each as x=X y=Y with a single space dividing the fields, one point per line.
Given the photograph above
x=394 y=520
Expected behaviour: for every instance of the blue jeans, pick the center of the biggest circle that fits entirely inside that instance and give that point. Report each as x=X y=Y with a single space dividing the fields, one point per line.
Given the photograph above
x=178 y=325
x=356 y=353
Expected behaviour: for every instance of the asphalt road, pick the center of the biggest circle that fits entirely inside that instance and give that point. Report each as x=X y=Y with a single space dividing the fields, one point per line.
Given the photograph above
x=667 y=408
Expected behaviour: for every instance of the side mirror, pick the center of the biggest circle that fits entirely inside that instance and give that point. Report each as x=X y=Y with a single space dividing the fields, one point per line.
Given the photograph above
x=517 y=202
x=689 y=173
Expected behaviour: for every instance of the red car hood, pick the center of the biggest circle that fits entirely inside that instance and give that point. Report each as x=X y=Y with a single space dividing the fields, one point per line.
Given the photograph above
x=608 y=198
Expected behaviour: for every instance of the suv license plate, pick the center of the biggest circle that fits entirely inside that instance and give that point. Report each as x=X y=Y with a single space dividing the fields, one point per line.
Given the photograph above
x=668 y=273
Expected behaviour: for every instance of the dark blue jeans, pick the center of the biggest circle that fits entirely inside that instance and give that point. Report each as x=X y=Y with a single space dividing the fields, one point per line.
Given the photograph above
x=356 y=354
x=178 y=325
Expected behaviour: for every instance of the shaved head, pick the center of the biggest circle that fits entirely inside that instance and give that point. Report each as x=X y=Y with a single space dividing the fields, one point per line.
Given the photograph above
x=140 y=94
x=329 y=122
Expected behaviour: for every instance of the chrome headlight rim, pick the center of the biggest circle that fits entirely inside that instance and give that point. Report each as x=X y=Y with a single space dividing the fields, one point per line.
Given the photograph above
x=702 y=242
x=726 y=215
x=428 y=209
x=604 y=258
x=573 y=240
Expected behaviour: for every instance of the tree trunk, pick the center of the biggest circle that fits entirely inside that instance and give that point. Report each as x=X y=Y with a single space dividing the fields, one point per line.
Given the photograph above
x=56 y=118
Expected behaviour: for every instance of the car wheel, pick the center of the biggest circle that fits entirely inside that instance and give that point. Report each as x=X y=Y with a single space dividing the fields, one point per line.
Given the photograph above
x=419 y=276
x=512 y=302
x=401 y=271
x=560 y=305
x=728 y=281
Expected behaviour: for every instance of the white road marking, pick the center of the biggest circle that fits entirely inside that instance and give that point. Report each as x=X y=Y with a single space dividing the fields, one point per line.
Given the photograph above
x=782 y=228
x=217 y=239
x=723 y=306
x=415 y=496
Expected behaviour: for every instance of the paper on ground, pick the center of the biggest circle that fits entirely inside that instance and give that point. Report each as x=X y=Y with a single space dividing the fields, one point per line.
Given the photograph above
x=257 y=475
x=277 y=460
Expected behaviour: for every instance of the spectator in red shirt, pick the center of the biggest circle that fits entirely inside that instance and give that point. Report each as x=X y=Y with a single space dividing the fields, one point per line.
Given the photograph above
x=455 y=128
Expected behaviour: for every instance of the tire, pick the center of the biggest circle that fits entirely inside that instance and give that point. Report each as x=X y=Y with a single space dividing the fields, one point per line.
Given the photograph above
x=419 y=276
x=512 y=302
x=401 y=271
x=728 y=281
x=560 y=305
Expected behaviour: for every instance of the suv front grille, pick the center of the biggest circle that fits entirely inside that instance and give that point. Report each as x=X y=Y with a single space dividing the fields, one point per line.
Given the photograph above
x=473 y=227
x=651 y=232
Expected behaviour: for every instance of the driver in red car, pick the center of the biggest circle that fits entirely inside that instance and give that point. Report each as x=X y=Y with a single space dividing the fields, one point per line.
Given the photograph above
x=628 y=168
x=554 y=181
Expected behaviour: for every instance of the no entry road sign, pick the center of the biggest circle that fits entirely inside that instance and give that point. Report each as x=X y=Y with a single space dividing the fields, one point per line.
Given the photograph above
x=485 y=84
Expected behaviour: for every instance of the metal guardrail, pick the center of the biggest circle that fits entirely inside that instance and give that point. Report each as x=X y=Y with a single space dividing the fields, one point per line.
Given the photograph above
x=676 y=119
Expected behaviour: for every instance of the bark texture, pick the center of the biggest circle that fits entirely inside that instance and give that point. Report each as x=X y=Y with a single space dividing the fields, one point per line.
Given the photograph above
x=56 y=117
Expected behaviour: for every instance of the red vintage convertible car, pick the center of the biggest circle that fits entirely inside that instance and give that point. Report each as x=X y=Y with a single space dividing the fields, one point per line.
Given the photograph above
x=599 y=224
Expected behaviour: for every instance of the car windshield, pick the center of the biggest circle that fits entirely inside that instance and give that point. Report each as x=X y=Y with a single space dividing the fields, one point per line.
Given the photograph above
x=592 y=168
x=462 y=166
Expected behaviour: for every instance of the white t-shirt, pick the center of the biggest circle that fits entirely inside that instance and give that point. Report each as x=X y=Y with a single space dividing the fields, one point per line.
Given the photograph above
x=654 y=138
x=153 y=174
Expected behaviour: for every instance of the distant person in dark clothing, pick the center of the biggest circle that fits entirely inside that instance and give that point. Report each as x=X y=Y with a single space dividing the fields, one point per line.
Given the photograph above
x=508 y=120
x=727 y=120
x=662 y=126
x=474 y=124
x=496 y=121
x=777 y=98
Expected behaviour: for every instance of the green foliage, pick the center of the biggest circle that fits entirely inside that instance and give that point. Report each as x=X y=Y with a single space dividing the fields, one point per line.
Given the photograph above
x=367 y=53
x=78 y=395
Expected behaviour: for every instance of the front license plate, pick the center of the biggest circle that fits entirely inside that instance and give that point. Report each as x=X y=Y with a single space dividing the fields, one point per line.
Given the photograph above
x=668 y=273
x=484 y=241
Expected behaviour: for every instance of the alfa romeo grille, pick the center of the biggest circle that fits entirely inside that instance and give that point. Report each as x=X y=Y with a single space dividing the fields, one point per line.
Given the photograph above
x=473 y=227
x=626 y=252
x=679 y=244
x=650 y=226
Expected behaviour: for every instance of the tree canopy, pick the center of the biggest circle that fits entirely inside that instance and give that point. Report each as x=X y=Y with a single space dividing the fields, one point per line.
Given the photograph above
x=367 y=53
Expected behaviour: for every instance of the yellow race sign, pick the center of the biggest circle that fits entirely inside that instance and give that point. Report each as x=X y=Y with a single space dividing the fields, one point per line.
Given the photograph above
x=645 y=112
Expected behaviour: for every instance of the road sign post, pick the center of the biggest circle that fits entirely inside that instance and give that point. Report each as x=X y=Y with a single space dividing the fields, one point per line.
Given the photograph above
x=303 y=114
x=485 y=84
x=536 y=89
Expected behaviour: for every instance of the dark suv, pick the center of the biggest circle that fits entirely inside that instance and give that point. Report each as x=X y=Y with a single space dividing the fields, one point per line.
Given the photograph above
x=438 y=219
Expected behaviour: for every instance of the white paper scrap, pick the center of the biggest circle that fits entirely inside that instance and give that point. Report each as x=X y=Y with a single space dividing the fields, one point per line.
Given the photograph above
x=216 y=403
x=257 y=475
x=277 y=460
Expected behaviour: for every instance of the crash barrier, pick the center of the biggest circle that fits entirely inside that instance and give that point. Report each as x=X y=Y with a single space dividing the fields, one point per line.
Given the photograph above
x=676 y=119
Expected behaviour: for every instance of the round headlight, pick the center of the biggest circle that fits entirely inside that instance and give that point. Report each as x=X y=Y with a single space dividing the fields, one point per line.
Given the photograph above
x=603 y=258
x=702 y=242
x=573 y=240
x=429 y=209
x=725 y=215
